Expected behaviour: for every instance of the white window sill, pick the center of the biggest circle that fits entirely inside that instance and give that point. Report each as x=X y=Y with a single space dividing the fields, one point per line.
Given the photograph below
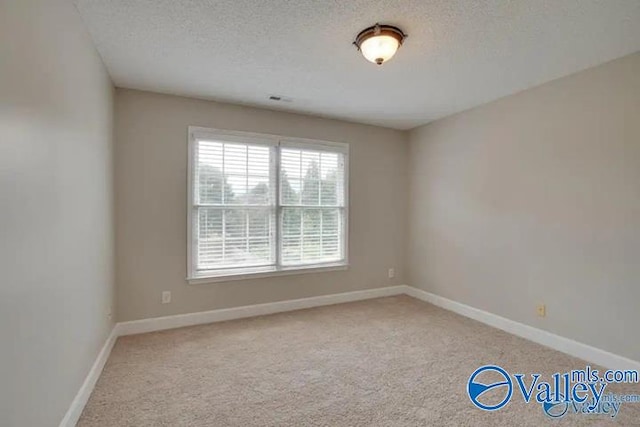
x=259 y=272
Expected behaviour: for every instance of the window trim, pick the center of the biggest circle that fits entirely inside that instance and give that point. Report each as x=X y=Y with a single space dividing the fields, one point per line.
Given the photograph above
x=275 y=141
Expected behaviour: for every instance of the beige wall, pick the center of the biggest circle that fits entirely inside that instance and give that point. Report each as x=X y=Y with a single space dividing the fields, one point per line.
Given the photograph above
x=536 y=198
x=56 y=221
x=151 y=191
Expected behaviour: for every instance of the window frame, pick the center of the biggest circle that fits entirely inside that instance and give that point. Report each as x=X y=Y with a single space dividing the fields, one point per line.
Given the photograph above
x=275 y=142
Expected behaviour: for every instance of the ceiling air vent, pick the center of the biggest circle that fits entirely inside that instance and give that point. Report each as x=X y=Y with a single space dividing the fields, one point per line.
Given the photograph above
x=279 y=98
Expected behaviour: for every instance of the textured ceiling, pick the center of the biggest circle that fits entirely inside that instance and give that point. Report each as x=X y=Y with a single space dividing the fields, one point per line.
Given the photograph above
x=459 y=54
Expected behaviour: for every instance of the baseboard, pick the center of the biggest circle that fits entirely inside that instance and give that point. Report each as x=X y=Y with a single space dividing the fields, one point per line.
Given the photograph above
x=75 y=410
x=548 y=339
x=203 y=317
x=565 y=345
x=169 y=322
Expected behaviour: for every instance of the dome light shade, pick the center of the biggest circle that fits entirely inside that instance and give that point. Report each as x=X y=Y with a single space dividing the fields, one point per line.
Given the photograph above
x=379 y=43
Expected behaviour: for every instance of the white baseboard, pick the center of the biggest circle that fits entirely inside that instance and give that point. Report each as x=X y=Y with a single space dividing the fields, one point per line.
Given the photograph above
x=548 y=339
x=203 y=317
x=169 y=322
x=565 y=345
x=75 y=410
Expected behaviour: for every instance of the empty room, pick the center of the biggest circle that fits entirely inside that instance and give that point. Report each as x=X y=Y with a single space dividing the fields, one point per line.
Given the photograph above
x=351 y=213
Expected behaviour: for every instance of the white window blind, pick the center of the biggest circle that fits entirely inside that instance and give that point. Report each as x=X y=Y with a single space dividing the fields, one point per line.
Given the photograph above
x=312 y=206
x=259 y=204
x=234 y=205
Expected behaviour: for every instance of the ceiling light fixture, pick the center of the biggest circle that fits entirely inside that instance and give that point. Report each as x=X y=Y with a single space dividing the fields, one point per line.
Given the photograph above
x=379 y=43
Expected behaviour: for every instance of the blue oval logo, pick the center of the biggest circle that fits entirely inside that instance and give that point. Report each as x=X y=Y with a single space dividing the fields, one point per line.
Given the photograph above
x=556 y=409
x=477 y=389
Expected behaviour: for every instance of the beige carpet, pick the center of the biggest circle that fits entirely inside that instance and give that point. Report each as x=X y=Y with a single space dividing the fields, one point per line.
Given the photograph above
x=387 y=362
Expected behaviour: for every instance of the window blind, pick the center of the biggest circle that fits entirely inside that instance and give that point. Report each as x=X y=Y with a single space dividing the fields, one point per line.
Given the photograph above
x=312 y=206
x=259 y=204
x=234 y=205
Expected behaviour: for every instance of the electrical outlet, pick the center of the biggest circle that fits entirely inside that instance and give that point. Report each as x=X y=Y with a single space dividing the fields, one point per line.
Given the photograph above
x=542 y=310
x=166 y=297
x=392 y=273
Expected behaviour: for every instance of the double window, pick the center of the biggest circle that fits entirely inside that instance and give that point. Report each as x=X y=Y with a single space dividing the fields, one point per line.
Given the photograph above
x=261 y=204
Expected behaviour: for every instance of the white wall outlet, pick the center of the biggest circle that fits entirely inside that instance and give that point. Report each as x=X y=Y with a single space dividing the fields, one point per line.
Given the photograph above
x=542 y=310
x=166 y=297
x=392 y=273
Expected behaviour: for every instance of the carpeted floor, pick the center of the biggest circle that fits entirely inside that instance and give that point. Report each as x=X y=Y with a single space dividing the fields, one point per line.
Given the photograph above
x=393 y=361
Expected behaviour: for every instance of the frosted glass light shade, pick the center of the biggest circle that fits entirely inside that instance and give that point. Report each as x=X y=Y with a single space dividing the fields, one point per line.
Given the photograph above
x=379 y=49
x=379 y=43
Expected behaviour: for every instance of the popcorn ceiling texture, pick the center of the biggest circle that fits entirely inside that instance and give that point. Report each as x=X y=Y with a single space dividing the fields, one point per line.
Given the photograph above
x=386 y=362
x=459 y=54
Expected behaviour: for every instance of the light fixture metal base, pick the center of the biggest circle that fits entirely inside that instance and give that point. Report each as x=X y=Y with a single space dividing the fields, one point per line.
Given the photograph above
x=379 y=30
